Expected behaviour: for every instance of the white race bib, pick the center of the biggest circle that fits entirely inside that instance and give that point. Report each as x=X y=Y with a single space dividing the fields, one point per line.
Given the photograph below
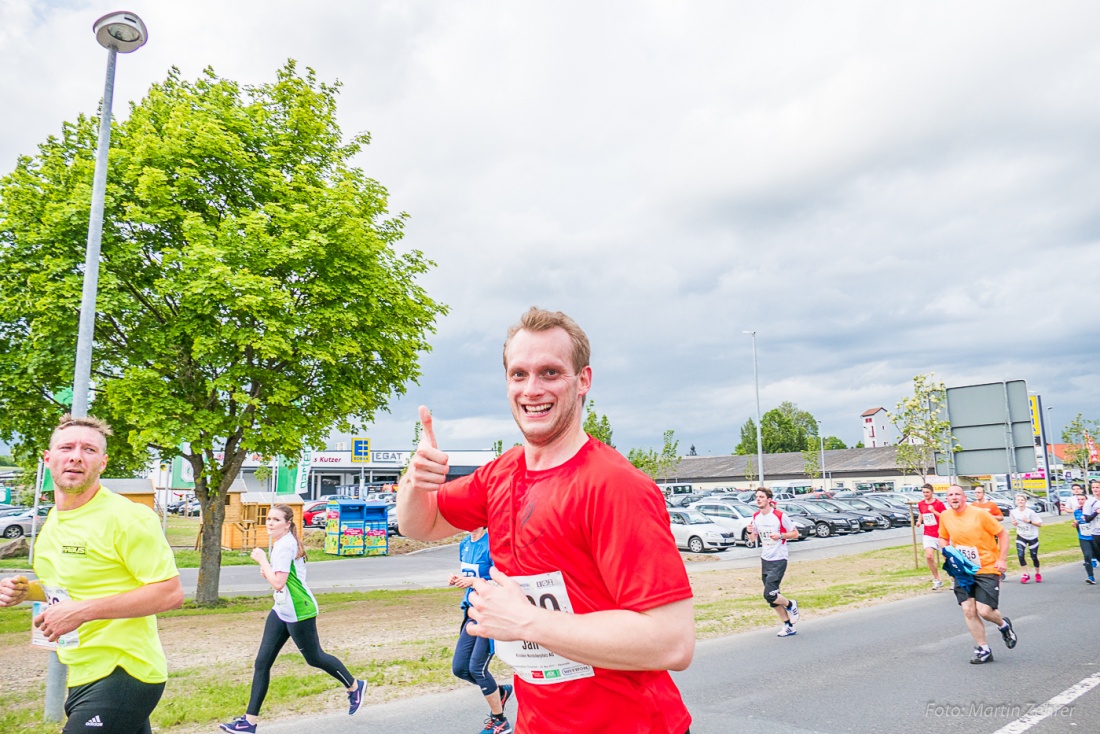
x=928 y=518
x=54 y=595
x=531 y=661
x=970 y=552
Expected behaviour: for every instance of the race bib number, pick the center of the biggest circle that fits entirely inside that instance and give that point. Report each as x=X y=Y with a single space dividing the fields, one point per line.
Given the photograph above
x=532 y=662
x=469 y=569
x=69 y=640
x=928 y=518
x=970 y=552
x=766 y=541
x=1085 y=528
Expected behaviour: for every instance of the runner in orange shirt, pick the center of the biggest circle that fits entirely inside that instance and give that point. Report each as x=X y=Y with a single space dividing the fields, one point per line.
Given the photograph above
x=981 y=502
x=982 y=539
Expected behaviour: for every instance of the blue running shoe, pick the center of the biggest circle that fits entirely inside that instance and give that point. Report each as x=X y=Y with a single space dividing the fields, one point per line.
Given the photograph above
x=355 y=698
x=506 y=692
x=497 y=725
x=238 y=725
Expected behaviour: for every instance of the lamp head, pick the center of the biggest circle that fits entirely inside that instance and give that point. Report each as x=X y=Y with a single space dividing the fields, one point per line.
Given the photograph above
x=121 y=29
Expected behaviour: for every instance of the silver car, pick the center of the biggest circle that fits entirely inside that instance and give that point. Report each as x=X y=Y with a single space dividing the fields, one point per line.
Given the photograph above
x=16 y=526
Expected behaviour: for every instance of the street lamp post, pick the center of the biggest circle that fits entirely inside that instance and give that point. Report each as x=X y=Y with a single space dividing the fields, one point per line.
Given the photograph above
x=824 y=479
x=759 y=436
x=118 y=32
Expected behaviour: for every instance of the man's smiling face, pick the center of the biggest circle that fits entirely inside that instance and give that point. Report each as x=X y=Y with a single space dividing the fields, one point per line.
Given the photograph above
x=544 y=390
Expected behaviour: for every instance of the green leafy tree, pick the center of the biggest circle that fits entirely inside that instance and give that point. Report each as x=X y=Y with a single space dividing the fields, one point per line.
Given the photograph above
x=750 y=471
x=832 y=442
x=811 y=463
x=786 y=429
x=251 y=296
x=597 y=426
x=498 y=447
x=657 y=465
x=747 y=445
x=1074 y=436
x=924 y=432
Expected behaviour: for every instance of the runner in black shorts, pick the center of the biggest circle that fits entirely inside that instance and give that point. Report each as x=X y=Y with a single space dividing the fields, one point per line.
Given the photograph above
x=774 y=530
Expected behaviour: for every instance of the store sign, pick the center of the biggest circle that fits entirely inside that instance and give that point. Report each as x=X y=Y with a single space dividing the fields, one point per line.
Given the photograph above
x=388 y=457
x=360 y=450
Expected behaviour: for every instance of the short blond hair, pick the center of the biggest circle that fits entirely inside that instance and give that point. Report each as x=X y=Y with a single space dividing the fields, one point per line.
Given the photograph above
x=68 y=421
x=537 y=319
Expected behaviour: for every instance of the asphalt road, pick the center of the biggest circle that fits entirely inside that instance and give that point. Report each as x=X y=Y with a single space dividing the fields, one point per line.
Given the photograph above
x=898 y=667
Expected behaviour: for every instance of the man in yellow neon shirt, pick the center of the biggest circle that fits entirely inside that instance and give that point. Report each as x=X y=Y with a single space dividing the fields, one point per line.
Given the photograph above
x=984 y=541
x=105 y=569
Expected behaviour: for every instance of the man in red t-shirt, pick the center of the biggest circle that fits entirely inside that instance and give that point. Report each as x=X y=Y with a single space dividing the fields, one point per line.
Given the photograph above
x=929 y=510
x=573 y=528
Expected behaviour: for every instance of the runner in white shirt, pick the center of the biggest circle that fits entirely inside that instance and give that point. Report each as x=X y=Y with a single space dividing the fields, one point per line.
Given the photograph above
x=1027 y=523
x=774 y=530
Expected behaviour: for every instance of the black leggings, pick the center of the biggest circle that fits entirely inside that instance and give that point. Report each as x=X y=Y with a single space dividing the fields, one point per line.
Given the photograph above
x=117 y=704
x=1031 y=545
x=1086 y=551
x=304 y=634
x=472 y=658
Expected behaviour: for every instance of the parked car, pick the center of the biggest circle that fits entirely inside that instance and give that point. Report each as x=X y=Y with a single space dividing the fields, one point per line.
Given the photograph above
x=806 y=528
x=10 y=510
x=898 y=515
x=16 y=526
x=868 y=520
x=683 y=500
x=189 y=508
x=731 y=515
x=315 y=514
x=826 y=523
x=391 y=520
x=696 y=532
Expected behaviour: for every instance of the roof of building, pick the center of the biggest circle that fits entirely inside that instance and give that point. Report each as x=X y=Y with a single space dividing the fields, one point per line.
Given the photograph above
x=790 y=465
x=871 y=411
x=129 y=486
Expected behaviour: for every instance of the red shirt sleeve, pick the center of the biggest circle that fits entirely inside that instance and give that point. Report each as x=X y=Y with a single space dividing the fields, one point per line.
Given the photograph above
x=463 y=502
x=633 y=547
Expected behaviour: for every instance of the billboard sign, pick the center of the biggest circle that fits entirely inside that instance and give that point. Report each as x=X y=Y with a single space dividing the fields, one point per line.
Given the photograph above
x=992 y=423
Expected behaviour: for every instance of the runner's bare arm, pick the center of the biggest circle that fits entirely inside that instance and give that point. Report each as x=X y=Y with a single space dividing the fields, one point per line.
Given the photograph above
x=18 y=589
x=662 y=638
x=1002 y=541
x=66 y=616
x=417 y=509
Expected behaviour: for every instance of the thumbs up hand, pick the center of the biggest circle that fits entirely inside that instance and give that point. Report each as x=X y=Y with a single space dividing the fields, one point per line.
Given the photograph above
x=428 y=468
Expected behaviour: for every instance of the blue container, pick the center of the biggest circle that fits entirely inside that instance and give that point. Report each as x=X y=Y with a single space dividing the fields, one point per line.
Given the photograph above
x=345 y=527
x=376 y=541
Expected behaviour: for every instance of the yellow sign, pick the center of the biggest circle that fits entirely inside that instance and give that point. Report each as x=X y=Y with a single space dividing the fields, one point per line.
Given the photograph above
x=1036 y=429
x=360 y=450
x=1029 y=484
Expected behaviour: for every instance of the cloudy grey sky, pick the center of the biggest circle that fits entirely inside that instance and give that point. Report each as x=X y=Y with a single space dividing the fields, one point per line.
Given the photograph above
x=879 y=190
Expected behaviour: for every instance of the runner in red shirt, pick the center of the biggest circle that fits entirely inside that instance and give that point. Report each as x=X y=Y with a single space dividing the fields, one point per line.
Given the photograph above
x=573 y=528
x=930 y=509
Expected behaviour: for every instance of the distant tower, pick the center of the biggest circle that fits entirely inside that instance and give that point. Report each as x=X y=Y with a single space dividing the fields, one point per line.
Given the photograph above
x=878 y=429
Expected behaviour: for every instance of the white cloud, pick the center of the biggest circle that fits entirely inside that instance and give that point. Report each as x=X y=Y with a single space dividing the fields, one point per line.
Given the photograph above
x=878 y=190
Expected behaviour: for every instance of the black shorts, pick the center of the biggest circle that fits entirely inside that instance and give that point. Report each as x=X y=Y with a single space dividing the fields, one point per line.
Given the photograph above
x=117 y=704
x=986 y=590
x=772 y=574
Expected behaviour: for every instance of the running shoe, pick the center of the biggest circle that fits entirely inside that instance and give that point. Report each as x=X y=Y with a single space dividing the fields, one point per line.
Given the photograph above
x=787 y=631
x=936 y=584
x=1090 y=581
x=792 y=611
x=1025 y=578
x=238 y=725
x=981 y=656
x=355 y=698
x=494 y=725
x=1008 y=634
x=1094 y=563
x=1038 y=578
x=506 y=691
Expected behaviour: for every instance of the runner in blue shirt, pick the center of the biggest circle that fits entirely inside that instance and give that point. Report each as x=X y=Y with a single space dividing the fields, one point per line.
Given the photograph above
x=473 y=654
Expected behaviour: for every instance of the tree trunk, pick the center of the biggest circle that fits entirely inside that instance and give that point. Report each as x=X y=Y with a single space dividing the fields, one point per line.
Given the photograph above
x=210 y=559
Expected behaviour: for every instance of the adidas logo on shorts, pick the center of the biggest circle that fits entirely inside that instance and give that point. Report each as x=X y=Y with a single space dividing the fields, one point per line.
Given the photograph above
x=94 y=721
